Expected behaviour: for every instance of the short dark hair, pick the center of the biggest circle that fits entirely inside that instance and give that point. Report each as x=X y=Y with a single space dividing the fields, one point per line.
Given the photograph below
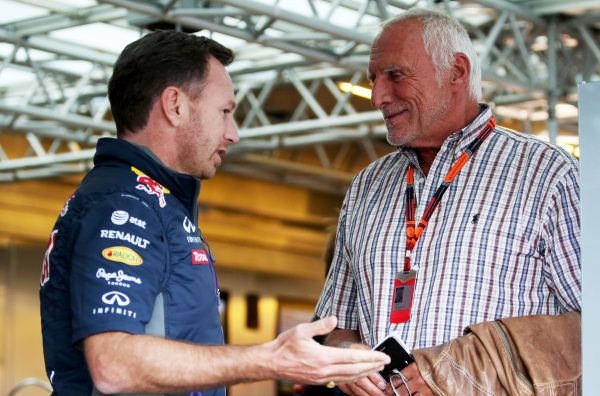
x=150 y=64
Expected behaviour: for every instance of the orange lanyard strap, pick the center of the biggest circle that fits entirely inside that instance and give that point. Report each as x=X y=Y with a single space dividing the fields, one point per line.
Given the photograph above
x=412 y=234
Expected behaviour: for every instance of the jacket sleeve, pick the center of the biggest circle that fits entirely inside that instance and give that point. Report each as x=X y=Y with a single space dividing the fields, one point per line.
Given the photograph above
x=530 y=355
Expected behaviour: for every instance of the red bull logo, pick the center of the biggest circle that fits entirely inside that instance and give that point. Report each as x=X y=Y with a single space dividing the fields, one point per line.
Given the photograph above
x=151 y=187
x=46 y=263
x=65 y=208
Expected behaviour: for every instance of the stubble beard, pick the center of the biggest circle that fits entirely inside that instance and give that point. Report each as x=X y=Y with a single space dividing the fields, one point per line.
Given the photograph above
x=421 y=129
x=190 y=152
x=402 y=139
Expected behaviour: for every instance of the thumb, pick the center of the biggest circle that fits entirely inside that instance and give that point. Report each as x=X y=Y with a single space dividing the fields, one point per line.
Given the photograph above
x=322 y=326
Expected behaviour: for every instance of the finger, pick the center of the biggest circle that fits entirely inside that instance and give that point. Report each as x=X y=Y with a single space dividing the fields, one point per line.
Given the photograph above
x=415 y=381
x=411 y=371
x=321 y=326
x=418 y=385
x=351 y=389
x=400 y=387
x=413 y=377
x=356 y=355
x=397 y=384
x=371 y=385
x=364 y=387
x=358 y=345
x=346 y=389
x=377 y=380
x=389 y=391
x=353 y=372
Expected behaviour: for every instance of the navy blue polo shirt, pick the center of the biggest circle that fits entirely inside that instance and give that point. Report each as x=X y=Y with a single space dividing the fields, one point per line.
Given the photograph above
x=126 y=255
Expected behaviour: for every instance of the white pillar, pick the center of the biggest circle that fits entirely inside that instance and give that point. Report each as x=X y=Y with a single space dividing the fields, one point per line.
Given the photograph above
x=589 y=142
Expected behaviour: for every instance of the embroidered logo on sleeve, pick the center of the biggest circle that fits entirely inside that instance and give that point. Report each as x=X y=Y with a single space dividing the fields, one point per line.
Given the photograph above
x=115 y=303
x=120 y=217
x=122 y=254
x=46 y=263
x=151 y=187
x=65 y=208
x=118 y=278
x=188 y=226
x=125 y=236
x=199 y=257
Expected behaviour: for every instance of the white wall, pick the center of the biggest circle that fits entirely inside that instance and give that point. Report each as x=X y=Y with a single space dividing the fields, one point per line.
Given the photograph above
x=589 y=141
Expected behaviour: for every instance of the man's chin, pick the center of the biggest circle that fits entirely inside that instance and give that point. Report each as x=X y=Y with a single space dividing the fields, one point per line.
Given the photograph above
x=206 y=174
x=209 y=175
x=399 y=141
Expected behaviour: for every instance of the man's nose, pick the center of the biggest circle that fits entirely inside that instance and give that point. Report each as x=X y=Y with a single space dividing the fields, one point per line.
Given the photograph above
x=380 y=93
x=232 y=135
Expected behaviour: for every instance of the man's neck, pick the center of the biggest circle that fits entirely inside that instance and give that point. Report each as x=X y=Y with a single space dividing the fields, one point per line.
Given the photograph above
x=426 y=155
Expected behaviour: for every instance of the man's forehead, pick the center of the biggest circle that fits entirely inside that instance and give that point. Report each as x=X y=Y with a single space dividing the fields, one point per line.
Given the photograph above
x=395 y=40
x=374 y=57
x=383 y=44
x=378 y=50
x=404 y=30
x=380 y=58
x=373 y=67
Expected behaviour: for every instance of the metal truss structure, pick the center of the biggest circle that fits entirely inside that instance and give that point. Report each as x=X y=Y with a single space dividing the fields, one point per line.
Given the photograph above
x=296 y=125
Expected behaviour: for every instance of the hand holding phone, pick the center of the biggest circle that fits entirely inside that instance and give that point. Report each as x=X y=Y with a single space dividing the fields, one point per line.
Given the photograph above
x=394 y=347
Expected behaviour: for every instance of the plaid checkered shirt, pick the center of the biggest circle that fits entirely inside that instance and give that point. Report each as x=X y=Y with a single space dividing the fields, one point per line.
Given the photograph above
x=503 y=242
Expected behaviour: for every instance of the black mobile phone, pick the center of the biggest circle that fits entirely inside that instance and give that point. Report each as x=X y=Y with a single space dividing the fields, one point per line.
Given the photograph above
x=400 y=356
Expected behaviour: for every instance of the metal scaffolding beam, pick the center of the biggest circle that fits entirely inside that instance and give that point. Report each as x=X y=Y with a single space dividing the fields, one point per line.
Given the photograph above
x=534 y=53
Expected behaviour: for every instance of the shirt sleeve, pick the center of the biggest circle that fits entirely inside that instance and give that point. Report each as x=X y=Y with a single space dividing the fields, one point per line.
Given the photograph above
x=563 y=253
x=338 y=297
x=117 y=267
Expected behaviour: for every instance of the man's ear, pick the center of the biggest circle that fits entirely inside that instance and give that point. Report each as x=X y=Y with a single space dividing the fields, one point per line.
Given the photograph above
x=174 y=105
x=460 y=71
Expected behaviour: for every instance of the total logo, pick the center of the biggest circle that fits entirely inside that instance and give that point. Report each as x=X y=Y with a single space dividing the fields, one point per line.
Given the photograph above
x=120 y=217
x=199 y=257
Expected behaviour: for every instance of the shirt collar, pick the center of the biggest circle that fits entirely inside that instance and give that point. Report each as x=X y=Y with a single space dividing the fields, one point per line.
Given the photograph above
x=185 y=187
x=460 y=139
x=470 y=132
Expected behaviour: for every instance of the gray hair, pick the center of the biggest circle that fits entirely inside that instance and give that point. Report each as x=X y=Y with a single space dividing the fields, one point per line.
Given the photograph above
x=443 y=37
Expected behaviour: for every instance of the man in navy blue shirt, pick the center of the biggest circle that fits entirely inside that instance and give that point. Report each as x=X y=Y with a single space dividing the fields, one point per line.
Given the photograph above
x=129 y=296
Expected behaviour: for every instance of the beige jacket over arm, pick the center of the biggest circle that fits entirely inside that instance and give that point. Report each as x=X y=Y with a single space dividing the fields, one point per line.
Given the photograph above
x=530 y=355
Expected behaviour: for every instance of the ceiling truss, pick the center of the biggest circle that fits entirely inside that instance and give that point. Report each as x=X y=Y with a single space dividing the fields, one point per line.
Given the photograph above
x=296 y=125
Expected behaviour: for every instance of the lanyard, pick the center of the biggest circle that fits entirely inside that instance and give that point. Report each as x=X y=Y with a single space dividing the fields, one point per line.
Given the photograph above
x=412 y=234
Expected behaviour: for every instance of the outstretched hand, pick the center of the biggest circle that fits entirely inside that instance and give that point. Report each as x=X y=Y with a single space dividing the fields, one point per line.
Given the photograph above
x=296 y=357
x=372 y=385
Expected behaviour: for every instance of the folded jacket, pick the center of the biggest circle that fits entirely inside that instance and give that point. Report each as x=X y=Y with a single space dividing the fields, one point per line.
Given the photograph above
x=529 y=355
